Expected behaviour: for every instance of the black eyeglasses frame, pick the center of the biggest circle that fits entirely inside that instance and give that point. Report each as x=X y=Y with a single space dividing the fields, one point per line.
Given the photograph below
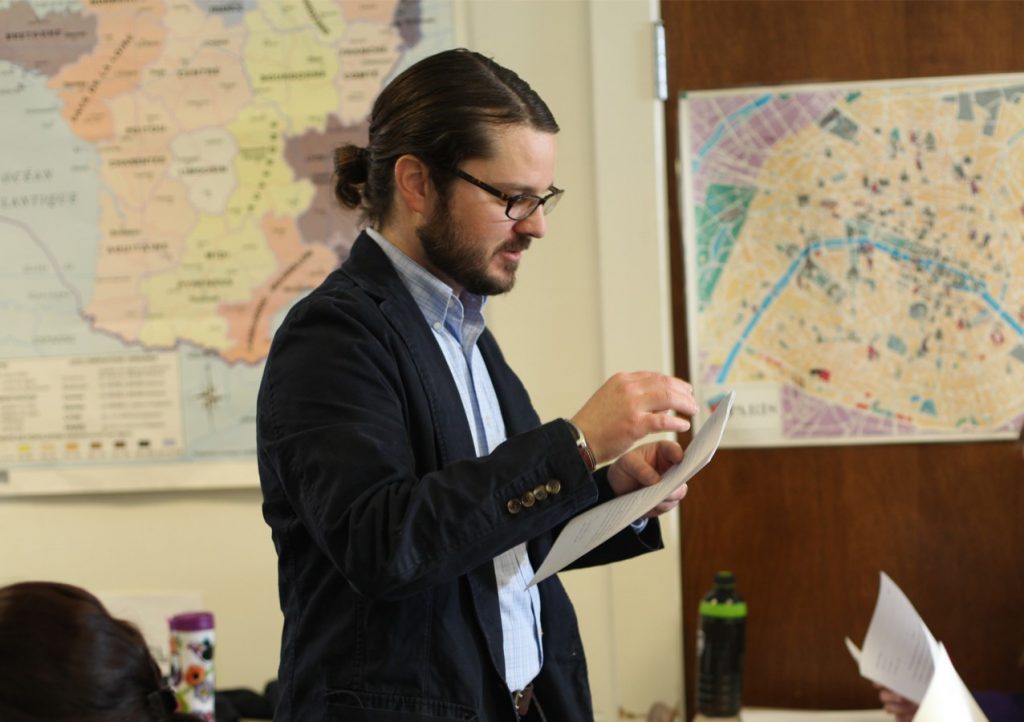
x=541 y=201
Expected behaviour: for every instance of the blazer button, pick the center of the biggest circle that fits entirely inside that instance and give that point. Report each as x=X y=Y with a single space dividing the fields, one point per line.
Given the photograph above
x=554 y=486
x=540 y=493
x=514 y=506
x=527 y=499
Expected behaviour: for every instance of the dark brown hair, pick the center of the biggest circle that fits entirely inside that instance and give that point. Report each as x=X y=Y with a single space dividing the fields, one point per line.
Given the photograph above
x=63 y=657
x=442 y=110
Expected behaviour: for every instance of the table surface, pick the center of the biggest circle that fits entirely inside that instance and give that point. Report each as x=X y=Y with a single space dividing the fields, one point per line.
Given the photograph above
x=763 y=714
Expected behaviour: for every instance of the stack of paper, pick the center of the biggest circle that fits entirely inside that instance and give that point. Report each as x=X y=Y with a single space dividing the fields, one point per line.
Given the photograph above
x=901 y=654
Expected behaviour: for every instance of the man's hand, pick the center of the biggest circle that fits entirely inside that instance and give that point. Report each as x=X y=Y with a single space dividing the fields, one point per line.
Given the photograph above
x=644 y=466
x=630 y=406
x=899 y=707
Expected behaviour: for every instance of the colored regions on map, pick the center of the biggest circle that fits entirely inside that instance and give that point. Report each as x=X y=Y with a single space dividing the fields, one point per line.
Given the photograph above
x=167 y=189
x=853 y=255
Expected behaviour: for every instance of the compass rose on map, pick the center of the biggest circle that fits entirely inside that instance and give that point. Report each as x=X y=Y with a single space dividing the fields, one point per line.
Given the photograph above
x=209 y=396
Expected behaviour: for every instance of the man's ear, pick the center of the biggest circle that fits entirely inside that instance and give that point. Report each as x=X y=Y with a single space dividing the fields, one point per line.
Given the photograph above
x=412 y=183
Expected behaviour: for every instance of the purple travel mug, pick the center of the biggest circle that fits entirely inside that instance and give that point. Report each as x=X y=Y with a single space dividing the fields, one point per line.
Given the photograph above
x=192 y=662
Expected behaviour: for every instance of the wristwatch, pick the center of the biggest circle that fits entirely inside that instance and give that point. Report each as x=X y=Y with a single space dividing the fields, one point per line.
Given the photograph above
x=586 y=453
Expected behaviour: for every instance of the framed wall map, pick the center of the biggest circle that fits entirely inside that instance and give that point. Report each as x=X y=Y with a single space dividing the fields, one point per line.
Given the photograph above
x=165 y=197
x=853 y=258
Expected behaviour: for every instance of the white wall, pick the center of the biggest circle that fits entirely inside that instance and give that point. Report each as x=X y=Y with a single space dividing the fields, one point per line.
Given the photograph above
x=592 y=297
x=591 y=300
x=213 y=542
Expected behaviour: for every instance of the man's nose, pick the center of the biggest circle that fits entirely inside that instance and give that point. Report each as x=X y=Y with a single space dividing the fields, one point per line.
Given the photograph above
x=534 y=225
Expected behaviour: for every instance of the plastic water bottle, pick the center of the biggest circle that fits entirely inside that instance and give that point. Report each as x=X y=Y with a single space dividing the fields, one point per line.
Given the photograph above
x=720 y=642
x=192 y=663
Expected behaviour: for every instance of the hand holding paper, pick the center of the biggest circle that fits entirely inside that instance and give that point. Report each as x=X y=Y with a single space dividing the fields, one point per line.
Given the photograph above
x=599 y=524
x=629 y=407
x=900 y=654
x=896 y=651
x=645 y=466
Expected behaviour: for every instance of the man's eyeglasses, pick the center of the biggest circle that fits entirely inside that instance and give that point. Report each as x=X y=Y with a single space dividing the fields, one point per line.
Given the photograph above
x=519 y=206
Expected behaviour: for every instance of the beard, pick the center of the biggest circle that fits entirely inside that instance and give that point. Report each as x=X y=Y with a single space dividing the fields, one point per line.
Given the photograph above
x=465 y=261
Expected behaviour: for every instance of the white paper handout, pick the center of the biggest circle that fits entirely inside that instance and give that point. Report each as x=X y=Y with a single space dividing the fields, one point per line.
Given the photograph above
x=896 y=652
x=901 y=654
x=599 y=524
x=947 y=698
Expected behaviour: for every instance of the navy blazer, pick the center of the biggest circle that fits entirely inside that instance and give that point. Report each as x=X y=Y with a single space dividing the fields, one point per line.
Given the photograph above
x=386 y=522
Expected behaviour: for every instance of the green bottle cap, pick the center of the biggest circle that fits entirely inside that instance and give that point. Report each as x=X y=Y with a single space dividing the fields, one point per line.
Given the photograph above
x=725 y=581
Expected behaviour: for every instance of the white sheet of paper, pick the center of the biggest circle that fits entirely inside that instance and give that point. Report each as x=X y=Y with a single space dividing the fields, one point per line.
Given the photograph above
x=897 y=649
x=947 y=698
x=854 y=652
x=599 y=524
x=900 y=653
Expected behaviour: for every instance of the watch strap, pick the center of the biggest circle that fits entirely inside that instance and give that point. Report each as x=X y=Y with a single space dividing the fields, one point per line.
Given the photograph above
x=586 y=453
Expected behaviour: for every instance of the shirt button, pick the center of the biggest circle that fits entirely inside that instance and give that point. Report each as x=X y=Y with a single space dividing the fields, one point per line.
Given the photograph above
x=554 y=486
x=528 y=499
x=540 y=493
x=514 y=506
x=437 y=325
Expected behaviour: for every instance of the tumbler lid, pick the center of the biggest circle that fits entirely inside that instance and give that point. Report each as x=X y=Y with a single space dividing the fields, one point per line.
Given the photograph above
x=192 y=621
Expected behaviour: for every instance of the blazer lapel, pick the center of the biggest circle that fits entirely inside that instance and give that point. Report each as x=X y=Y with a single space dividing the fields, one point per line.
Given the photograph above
x=368 y=266
x=516 y=409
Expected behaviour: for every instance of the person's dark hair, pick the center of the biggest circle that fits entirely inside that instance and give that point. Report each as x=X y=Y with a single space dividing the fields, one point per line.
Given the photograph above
x=63 y=657
x=442 y=110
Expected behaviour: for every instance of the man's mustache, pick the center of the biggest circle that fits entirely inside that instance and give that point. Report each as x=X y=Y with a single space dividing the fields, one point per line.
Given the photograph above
x=517 y=244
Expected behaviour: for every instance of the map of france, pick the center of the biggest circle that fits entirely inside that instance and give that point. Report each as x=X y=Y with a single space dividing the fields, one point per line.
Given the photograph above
x=166 y=194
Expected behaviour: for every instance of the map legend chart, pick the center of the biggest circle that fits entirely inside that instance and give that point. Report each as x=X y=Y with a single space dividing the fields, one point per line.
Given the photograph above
x=98 y=408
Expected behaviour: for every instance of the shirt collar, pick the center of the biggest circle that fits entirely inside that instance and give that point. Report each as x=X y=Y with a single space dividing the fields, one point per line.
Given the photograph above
x=461 y=315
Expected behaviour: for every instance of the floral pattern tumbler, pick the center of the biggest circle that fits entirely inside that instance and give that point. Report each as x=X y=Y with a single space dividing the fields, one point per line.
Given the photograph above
x=192 y=662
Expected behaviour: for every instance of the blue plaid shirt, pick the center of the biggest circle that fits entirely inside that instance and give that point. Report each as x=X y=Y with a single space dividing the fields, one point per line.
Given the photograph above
x=457 y=324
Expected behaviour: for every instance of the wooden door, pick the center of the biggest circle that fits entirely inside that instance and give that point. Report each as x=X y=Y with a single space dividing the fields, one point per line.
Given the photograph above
x=807 y=530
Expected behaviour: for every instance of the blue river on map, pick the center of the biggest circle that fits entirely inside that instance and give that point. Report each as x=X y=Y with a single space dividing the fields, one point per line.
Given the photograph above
x=729 y=120
x=970 y=284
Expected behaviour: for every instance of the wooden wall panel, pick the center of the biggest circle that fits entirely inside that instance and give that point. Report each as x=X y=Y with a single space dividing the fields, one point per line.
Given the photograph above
x=808 y=530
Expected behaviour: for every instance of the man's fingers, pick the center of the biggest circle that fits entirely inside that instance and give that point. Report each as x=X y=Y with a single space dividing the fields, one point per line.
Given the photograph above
x=642 y=471
x=630 y=406
x=677 y=495
x=662 y=508
x=667 y=393
x=668 y=422
x=655 y=392
x=669 y=453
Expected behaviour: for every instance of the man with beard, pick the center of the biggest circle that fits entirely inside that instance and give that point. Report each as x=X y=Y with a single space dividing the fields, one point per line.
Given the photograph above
x=409 y=484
